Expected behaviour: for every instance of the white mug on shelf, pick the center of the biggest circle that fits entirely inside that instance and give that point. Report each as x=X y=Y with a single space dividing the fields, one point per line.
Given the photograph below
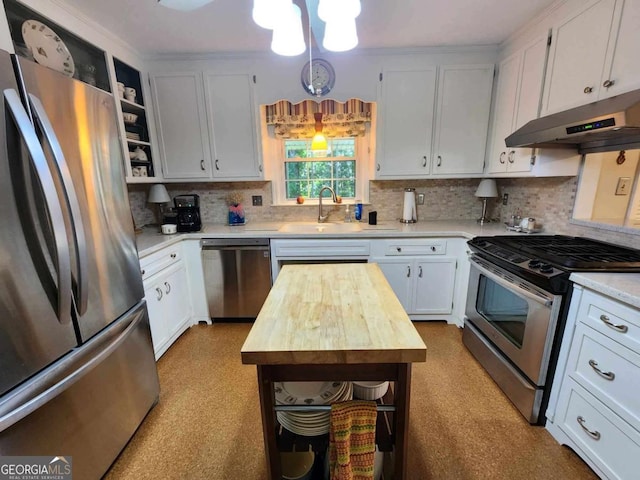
x=130 y=94
x=121 y=89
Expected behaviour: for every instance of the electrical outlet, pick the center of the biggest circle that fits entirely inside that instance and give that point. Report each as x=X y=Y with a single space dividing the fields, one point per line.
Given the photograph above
x=421 y=199
x=256 y=200
x=505 y=199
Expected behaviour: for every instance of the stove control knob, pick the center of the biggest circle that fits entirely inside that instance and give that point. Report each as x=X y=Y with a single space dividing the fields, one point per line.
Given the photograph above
x=546 y=268
x=534 y=263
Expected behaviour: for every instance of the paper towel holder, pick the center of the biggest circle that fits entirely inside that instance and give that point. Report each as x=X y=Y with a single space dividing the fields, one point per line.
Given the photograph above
x=409 y=211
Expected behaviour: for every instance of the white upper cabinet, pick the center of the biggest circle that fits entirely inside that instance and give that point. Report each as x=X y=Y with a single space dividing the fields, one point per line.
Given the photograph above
x=622 y=73
x=182 y=125
x=405 y=125
x=517 y=101
x=582 y=44
x=462 y=119
x=232 y=117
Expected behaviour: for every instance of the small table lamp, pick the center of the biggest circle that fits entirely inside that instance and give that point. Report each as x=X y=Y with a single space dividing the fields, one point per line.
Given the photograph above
x=158 y=194
x=486 y=189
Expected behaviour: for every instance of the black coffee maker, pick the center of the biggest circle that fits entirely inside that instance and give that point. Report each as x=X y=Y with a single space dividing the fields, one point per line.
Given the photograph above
x=188 y=212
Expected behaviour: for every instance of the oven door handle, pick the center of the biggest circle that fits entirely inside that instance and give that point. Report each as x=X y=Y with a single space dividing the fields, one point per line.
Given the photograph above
x=512 y=286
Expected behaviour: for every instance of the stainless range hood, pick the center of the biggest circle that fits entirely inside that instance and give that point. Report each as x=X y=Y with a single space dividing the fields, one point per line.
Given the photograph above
x=606 y=125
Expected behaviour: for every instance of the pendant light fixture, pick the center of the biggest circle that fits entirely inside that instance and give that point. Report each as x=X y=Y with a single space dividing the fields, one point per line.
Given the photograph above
x=184 y=5
x=266 y=12
x=288 y=37
x=319 y=142
x=340 y=33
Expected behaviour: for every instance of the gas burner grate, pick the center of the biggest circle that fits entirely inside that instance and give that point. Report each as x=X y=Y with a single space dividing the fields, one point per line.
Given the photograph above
x=573 y=253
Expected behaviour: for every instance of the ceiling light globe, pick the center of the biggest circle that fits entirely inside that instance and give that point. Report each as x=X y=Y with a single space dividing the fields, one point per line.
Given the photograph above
x=266 y=13
x=184 y=5
x=288 y=37
x=340 y=35
x=329 y=10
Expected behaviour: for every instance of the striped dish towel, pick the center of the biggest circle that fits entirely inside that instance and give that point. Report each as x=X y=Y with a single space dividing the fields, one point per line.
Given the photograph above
x=352 y=440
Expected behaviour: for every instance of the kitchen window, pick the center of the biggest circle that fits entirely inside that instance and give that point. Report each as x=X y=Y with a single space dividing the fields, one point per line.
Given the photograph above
x=306 y=172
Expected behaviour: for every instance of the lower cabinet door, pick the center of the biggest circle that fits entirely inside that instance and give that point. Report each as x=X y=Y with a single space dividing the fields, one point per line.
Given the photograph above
x=154 y=296
x=168 y=304
x=435 y=279
x=399 y=274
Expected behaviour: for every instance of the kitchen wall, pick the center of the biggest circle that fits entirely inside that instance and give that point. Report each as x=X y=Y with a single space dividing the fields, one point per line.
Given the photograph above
x=549 y=200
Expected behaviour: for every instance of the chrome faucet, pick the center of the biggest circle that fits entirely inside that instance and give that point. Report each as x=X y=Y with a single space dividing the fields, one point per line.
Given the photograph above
x=323 y=218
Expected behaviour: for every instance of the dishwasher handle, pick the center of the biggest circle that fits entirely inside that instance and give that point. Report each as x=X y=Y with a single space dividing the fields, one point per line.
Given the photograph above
x=235 y=248
x=234 y=243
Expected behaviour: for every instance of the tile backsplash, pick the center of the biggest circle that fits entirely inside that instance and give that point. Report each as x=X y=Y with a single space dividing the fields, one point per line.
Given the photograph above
x=548 y=200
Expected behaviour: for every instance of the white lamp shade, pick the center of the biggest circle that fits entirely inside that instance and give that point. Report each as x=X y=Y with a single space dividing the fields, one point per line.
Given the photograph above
x=487 y=188
x=288 y=37
x=267 y=12
x=329 y=10
x=184 y=5
x=340 y=35
x=158 y=194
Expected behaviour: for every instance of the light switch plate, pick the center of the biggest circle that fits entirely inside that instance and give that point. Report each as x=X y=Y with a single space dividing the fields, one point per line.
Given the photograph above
x=256 y=200
x=624 y=184
x=421 y=199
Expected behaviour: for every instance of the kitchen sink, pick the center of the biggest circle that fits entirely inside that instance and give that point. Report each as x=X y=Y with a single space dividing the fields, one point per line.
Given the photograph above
x=314 y=227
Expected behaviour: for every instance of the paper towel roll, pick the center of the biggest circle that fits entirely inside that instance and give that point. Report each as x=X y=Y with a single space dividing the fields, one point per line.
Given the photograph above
x=409 y=207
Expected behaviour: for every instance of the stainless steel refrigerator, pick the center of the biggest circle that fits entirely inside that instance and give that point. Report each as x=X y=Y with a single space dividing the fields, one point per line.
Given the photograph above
x=77 y=370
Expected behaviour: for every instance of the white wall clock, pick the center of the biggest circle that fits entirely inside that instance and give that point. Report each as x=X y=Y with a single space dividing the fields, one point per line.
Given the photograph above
x=319 y=79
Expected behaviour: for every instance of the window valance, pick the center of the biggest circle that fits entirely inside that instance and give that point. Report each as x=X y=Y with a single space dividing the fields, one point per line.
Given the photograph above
x=346 y=119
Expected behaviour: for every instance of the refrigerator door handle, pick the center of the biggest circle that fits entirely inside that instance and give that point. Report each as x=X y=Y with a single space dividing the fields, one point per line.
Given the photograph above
x=31 y=397
x=47 y=184
x=63 y=172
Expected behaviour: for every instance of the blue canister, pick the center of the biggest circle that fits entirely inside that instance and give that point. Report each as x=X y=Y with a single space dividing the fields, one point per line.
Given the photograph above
x=358 y=212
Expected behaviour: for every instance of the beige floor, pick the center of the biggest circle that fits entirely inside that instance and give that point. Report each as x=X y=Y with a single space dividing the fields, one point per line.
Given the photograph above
x=207 y=423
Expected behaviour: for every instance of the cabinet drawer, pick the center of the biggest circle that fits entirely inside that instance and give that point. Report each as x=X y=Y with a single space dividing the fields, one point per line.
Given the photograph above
x=415 y=248
x=613 y=319
x=152 y=264
x=612 y=444
x=607 y=370
x=320 y=248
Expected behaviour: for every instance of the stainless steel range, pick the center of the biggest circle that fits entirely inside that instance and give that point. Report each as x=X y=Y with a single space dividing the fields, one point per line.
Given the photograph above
x=519 y=293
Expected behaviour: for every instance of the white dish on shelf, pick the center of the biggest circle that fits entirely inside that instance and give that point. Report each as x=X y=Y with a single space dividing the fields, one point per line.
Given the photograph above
x=129 y=118
x=370 y=390
x=47 y=48
x=307 y=393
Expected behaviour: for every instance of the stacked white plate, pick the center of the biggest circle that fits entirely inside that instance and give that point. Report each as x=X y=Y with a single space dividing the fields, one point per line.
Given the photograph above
x=309 y=393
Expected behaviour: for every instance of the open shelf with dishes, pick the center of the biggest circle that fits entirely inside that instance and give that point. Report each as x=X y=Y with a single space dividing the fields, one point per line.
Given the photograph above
x=135 y=127
x=39 y=39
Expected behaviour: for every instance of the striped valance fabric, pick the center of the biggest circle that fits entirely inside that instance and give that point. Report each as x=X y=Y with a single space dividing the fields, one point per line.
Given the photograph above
x=346 y=119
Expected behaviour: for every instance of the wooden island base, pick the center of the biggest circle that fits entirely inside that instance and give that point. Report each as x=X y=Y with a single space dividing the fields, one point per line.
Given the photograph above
x=399 y=373
x=333 y=322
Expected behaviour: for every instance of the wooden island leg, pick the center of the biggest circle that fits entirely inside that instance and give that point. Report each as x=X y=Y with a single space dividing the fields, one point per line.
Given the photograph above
x=401 y=419
x=267 y=401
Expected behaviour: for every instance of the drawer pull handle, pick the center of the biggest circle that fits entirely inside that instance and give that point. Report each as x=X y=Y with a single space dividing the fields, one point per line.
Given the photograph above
x=608 y=375
x=609 y=323
x=399 y=249
x=168 y=287
x=433 y=249
x=420 y=271
x=173 y=255
x=159 y=293
x=143 y=272
x=408 y=270
x=593 y=434
x=424 y=161
x=502 y=154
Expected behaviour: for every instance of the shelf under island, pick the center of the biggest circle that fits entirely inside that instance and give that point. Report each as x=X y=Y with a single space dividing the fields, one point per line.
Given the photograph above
x=333 y=322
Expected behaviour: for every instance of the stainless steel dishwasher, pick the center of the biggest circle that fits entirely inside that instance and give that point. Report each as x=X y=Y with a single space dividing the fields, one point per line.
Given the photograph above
x=237 y=275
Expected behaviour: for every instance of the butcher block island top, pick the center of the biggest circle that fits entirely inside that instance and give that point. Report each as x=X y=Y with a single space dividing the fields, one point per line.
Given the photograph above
x=332 y=314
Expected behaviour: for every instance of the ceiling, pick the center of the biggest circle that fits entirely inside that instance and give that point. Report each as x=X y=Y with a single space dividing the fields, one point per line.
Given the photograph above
x=226 y=25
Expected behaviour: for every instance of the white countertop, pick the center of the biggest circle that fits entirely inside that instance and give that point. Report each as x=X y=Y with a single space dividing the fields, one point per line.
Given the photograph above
x=151 y=240
x=624 y=287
